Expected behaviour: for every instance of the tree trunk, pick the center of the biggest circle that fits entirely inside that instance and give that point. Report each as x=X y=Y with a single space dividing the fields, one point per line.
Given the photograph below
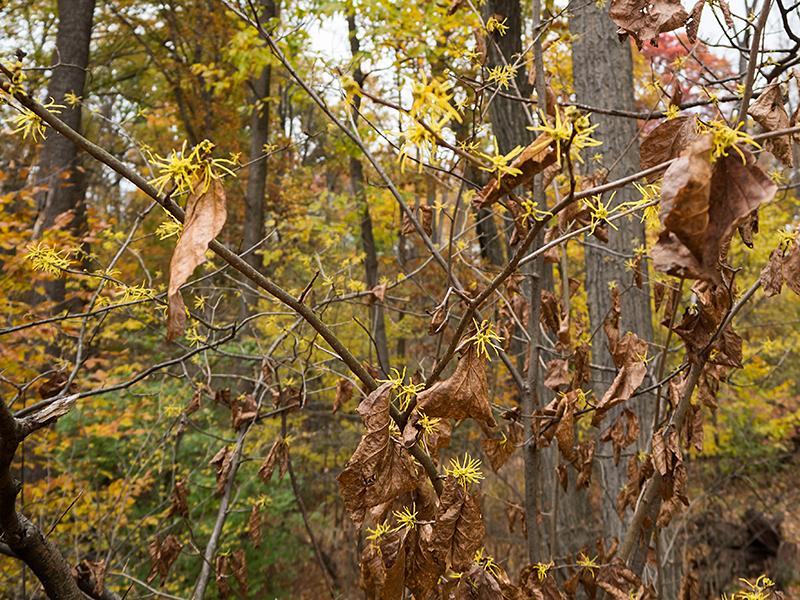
x=603 y=77
x=59 y=162
x=257 y=173
x=367 y=237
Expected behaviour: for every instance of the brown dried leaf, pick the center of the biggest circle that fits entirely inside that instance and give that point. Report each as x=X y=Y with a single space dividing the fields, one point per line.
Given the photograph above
x=769 y=112
x=162 y=556
x=644 y=20
x=344 y=391
x=658 y=293
x=627 y=381
x=535 y=588
x=540 y=154
x=551 y=255
x=791 y=267
x=726 y=13
x=582 y=369
x=459 y=526
x=423 y=566
x=222 y=462
x=795 y=120
x=693 y=24
x=772 y=273
x=427 y=220
x=221 y=576
x=557 y=373
x=383 y=569
x=565 y=431
x=254 y=525
x=700 y=215
x=498 y=451
x=463 y=395
x=611 y=321
x=454 y=6
x=243 y=411
x=94 y=574
x=179 y=504
x=379 y=292
x=194 y=403
x=685 y=196
x=53 y=386
x=379 y=469
x=563 y=476
x=514 y=512
x=239 y=570
x=480 y=43
x=584 y=461
x=550 y=314
x=205 y=217
x=477 y=584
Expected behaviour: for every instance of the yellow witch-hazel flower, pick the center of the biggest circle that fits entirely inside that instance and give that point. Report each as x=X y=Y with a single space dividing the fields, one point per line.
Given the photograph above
x=407 y=517
x=486 y=562
x=502 y=75
x=601 y=212
x=589 y=564
x=28 y=122
x=376 y=535
x=726 y=137
x=485 y=335
x=432 y=99
x=542 y=569
x=499 y=162
x=562 y=131
x=404 y=392
x=183 y=170
x=493 y=25
x=47 y=259
x=466 y=473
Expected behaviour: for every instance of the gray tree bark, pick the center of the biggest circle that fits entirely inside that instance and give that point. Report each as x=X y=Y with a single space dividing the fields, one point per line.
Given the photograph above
x=603 y=77
x=367 y=237
x=60 y=159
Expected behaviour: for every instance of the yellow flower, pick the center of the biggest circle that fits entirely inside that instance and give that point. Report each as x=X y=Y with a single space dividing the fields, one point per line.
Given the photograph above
x=499 y=161
x=468 y=472
x=485 y=335
x=494 y=25
x=47 y=259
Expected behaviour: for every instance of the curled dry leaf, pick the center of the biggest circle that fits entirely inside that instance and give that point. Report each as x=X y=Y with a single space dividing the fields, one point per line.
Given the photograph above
x=582 y=369
x=791 y=267
x=563 y=476
x=221 y=576
x=535 y=587
x=94 y=574
x=644 y=20
x=254 y=525
x=222 y=462
x=701 y=206
x=557 y=373
x=344 y=391
x=179 y=504
x=243 y=411
x=477 y=584
x=514 y=512
x=239 y=570
x=627 y=381
x=427 y=219
x=380 y=468
x=278 y=452
x=769 y=112
x=162 y=556
x=458 y=528
x=205 y=217
x=423 y=566
x=795 y=120
x=53 y=386
x=379 y=293
x=463 y=395
x=565 y=430
x=498 y=450
x=383 y=569
x=539 y=155
x=194 y=403
x=583 y=463
x=693 y=22
x=438 y=320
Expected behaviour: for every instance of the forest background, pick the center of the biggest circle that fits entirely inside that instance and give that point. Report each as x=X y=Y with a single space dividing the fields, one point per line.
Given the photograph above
x=269 y=313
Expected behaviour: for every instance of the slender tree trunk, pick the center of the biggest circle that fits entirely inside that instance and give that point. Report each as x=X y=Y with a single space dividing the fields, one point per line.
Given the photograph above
x=603 y=77
x=59 y=162
x=367 y=237
x=257 y=173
